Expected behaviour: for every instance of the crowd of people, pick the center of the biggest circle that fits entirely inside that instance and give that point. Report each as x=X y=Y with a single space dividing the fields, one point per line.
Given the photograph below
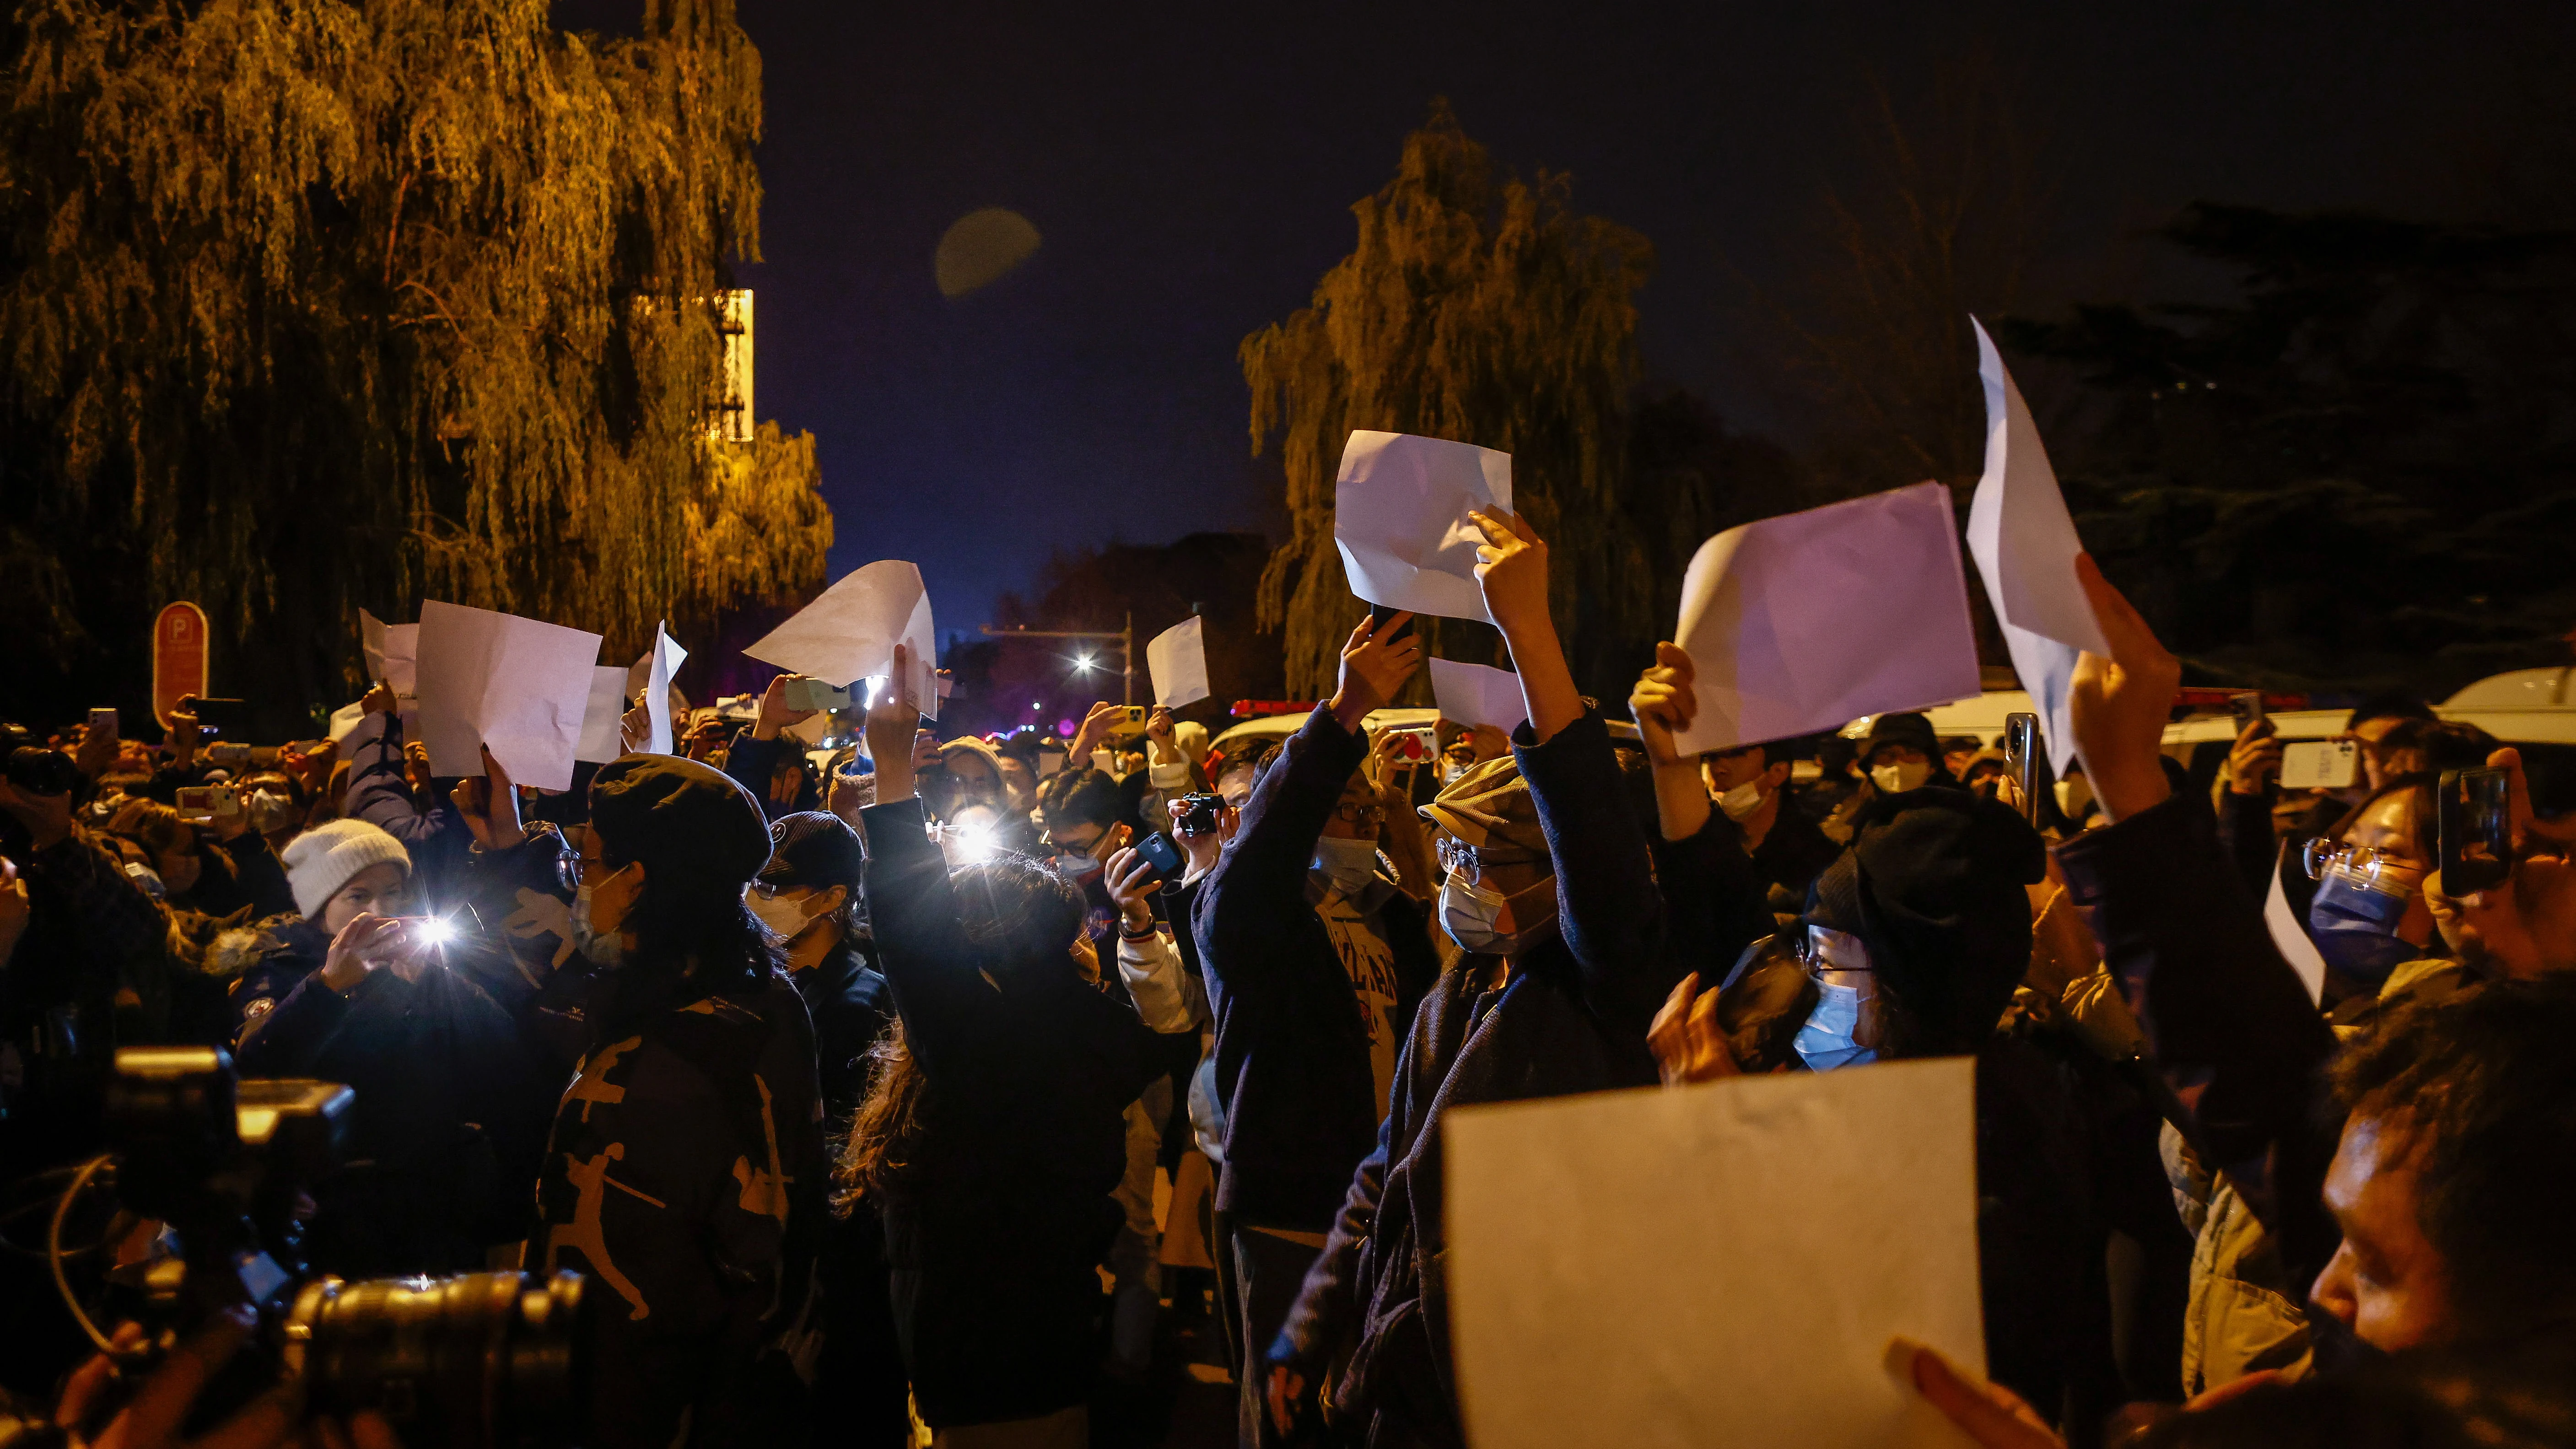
x=849 y=1080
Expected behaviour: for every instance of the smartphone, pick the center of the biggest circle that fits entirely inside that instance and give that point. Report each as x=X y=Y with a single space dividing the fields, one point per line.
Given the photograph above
x=1379 y=614
x=103 y=721
x=216 y=714
x=2320 y=765
x=1163 y=855
x=2021 y=760
x=1131 y=722
x=2247 y=707
x=815 y=694
x=200 y=804
x=2477 y=832
x=1413 y=745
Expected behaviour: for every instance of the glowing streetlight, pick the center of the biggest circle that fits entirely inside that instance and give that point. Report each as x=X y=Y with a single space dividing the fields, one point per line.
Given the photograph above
x=1082 y=662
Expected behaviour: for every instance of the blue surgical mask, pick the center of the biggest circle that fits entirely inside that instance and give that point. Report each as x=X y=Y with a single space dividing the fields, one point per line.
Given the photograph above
x=1348 y=864
x=1825 y=1042
x=2354 y=924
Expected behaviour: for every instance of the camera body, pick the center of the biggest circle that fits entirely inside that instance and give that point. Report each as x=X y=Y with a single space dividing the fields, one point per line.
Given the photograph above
x=480 y=1359
x=1200 y=818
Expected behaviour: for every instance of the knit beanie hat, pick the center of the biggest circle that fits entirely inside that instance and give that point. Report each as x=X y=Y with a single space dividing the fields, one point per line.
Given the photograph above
x=1902 y=728
x=1935 y=891
x=322 y=860
x=689 y=823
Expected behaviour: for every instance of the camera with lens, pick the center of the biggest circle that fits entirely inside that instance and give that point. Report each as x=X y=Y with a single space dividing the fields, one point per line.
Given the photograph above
x=1199 y=814
x=475 y=1360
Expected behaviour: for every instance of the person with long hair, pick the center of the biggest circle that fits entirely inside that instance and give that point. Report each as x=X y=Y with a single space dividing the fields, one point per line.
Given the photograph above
x=684 y=1170
x=992 y=1137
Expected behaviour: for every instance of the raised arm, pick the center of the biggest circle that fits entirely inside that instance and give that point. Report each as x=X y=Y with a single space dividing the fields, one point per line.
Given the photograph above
x=1607 y=907
x=935 y=974
x=2232 y=1028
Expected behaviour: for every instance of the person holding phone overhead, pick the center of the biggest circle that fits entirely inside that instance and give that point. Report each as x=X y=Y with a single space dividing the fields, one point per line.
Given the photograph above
x=1314 y=960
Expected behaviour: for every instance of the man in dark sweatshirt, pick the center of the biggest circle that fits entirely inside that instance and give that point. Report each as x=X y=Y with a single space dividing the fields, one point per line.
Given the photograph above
x=1314 y=963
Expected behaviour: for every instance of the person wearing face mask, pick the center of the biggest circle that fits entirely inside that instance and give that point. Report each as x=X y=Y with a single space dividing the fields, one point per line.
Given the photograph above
x=2368 y=908
x=1751 y=786
x=809 y=896
x=1314 y=960
x=219 y=868
x=277 y=804
x=450 y=1113
x=1551 y=894
x=1079 y=812
x=684 y=1168
x=1902 y=755
x=1915 y=938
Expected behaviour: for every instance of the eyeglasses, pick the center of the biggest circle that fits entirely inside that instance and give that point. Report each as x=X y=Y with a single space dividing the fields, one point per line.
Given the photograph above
x=1470 y=861
x=2322 y=857
x=1350 y=814
x=576 y=871
x=1810 y=952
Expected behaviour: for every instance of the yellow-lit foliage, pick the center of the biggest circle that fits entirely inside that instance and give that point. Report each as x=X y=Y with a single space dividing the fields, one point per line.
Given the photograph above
x=310 y=306
x=1482 y=309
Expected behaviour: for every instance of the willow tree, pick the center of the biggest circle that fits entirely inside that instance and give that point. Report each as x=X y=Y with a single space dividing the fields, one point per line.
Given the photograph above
x=1481 y=308
x=314 y=306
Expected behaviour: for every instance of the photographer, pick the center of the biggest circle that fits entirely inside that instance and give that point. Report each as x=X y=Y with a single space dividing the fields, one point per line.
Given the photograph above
x=233 y=871
x=450 y=1110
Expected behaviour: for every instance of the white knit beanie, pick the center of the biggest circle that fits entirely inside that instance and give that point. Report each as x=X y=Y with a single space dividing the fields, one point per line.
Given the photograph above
x=322 y=860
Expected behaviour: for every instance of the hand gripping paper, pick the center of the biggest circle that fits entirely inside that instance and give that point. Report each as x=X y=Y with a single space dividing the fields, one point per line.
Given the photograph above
x=1400 y=520
x=1810 y=620
x=2024 y=543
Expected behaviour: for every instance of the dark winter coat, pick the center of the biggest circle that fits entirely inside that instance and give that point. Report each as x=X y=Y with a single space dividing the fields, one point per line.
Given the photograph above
x=1292 y=1041
x=1571 y=1017
x=450 y=1113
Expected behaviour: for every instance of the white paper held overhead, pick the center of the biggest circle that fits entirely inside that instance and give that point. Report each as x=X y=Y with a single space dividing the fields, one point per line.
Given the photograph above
x=1810 y=620
x=1720 y=1264
x=1471 y=694
x=1177 y=659
x=2024 y=542
x=401 y=659
x=601 y=740
x=1400 y=520
x=666 y=659
x=849 y=633
x=371 y=644
x=519 y=687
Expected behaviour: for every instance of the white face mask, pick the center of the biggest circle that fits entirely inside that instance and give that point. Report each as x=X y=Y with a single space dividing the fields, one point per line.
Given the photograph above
x=1348 y=864
x=1740 y=802
x=1897 y=778
x=2073 y=794
x=788 y=918
x=603 y=949
x=1472 y=916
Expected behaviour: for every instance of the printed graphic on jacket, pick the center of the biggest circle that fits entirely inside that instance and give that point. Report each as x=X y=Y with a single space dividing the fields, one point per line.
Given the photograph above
x=1370 y=963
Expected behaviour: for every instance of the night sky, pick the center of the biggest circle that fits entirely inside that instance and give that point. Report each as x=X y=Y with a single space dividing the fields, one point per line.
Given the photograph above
x=1191 y=173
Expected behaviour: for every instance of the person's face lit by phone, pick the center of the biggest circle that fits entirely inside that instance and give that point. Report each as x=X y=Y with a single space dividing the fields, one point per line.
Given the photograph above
x=1359 y=814
x=975 y=782
x=382 y=889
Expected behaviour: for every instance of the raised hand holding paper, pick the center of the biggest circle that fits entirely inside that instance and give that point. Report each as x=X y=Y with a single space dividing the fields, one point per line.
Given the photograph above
x=1810 y=620
x=1400 y=520
x=599 y=718
x=517 y=687
x=1177 y=660
x=1471 y=695
x=1720 y=1264
x=849 y=633
x=2025 y=545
